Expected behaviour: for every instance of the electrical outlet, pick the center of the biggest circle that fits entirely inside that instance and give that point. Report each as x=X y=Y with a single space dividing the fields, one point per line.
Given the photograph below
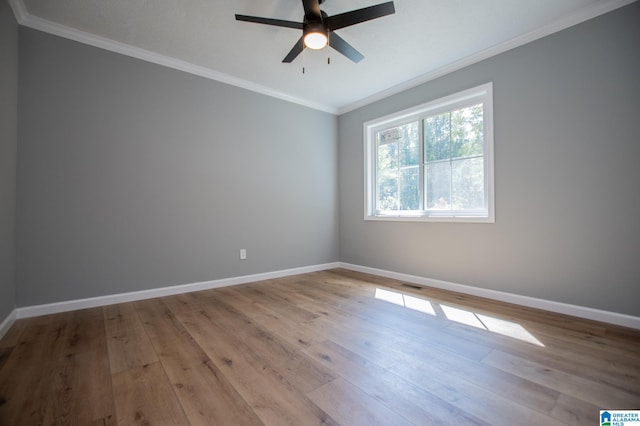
x=243 y=254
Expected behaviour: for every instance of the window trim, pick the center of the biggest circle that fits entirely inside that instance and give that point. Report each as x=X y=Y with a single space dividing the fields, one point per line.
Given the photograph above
x=484 y=93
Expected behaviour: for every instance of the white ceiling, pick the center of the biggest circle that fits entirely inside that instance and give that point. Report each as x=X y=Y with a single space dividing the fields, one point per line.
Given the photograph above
x=422 y=40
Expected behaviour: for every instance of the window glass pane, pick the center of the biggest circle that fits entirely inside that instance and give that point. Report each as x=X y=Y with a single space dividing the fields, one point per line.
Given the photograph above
x=409 y=145
x=387 y=190
x=439 y=186
x=387 y=154
x=468 y=184
x=467 y=131
x=437 y=132
x=410 y=188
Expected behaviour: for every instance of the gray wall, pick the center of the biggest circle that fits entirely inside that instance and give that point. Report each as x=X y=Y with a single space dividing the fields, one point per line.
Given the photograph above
x=8 y=141
x=567 y=171
x=134 y=176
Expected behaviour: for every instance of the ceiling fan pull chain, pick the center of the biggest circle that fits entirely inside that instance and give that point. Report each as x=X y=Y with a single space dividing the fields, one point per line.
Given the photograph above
x=303 y=55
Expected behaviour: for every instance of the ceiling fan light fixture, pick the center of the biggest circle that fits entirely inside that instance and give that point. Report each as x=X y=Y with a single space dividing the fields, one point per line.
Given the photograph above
x=315 y=35
x=315 y=40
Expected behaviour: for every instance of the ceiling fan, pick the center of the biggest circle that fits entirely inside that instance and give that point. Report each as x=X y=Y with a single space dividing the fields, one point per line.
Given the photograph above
x=318 y=28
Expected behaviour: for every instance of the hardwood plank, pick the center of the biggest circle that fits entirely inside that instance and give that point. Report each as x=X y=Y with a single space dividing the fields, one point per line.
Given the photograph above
x=128 y=343
x=574 y=411
x=144 y=396
x=356 y=339
x=206 y=396
x=81 y=373
x=26 y=377
x=587 y=341
x=186 y=302
x=76 y=332
x=42 y=335
x=56 y=358
x=22 y=396
x=81 y=391
x=4 y=355
x=278 y=303
x=519 y=390
x=10 y=340
x=273 y=398
x=597 y=364
x=479 y=401
x=594 y=392
x=12 y=336
x=350 y=406
x=286 y=359
x=287 y=330
x=400 y=395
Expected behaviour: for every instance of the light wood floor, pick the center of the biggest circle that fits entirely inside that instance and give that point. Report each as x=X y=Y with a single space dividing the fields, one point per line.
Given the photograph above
x=320 y=348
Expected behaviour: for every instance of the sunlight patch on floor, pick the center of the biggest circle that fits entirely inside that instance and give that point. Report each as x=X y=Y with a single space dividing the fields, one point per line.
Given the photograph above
x=410 y=302
x=463 y=316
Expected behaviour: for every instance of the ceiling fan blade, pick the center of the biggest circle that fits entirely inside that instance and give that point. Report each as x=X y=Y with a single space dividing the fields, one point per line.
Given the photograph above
x=269 y=21
x=345 y=48
x=295 y=51
x=346 y=19
x=312 y=9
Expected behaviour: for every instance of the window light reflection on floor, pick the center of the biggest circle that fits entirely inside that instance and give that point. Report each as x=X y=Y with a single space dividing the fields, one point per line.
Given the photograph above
x=405 y=300
x=481 y=321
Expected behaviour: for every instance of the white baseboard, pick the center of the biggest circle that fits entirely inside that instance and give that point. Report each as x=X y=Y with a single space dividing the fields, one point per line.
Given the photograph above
x=72 y=305
x=532 y=302
x=5 y=325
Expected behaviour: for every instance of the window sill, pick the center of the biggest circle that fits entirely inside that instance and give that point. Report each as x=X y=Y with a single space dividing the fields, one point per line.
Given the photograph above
x=431 y=218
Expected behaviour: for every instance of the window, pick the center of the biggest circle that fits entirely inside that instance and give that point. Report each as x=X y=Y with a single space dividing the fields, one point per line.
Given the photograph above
x=433 y=162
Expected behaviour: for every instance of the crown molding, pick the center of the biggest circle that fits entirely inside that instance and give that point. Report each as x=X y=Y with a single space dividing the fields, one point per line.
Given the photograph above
x=583 y=15
x=25 y=19
x=19 y=10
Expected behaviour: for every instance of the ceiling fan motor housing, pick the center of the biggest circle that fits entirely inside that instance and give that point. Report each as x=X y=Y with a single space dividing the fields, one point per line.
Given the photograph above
x=314 y=27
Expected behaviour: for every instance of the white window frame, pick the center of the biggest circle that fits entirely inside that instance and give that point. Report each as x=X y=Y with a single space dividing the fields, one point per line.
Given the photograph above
x=480 y=94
